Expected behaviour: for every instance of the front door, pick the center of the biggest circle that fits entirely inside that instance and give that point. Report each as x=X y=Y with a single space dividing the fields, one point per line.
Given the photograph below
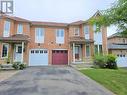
x=77 y=53
x=18 y=53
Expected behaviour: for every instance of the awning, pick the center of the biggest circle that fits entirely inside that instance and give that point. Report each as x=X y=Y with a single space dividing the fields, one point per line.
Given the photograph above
x=80 y=40
x=15 y=38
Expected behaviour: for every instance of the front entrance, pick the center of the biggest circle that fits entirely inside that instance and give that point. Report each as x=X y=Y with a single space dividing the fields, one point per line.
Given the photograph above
x=78 y=53
x=17 y=53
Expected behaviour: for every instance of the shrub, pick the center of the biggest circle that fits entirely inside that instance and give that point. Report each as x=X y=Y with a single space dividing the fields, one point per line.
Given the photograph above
x=111 y=62
x=100 y=61
x=22 y=66
x=105 y=61
x=18 y=66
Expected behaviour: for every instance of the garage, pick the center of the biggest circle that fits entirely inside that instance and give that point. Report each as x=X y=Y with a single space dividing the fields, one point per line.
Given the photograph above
x=38 y=57
x=60 y=57
x=121 y=61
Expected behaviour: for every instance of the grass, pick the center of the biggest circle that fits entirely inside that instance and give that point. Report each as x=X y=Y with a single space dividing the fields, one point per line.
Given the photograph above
x=114 y=80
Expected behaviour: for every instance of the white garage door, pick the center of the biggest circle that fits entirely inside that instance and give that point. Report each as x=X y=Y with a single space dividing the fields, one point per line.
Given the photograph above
x=38 y=57
x=122 y=61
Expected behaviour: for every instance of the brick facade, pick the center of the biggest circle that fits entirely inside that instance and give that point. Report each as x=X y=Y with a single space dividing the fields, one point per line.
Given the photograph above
x=49 y=38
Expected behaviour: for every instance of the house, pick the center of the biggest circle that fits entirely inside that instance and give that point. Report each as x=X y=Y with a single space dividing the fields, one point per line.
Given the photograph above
x=117 y=45
x=49 y=43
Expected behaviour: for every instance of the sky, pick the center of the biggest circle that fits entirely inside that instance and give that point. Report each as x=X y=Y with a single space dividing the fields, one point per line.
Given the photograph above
x=65 y=11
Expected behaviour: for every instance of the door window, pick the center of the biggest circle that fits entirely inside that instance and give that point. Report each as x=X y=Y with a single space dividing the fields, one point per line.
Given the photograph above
x=5 y=50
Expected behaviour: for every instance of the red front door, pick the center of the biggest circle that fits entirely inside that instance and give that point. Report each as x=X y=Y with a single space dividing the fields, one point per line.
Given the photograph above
x=59 y=57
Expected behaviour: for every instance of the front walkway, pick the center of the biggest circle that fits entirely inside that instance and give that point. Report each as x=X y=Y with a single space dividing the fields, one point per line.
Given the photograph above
x=51 y=81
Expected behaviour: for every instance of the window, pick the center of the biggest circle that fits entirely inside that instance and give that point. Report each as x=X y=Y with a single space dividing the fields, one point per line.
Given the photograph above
x=87 y=50
x=76 y=32
x=5 y=48
x=96 y=28
x=37 y=51
x=32 y=51
x=60 y=33
x=100 y=49
x=19 y=29
x=96 y=49
x=60 y=36
x=6 y=29
x=39 y=35
x=86 y=29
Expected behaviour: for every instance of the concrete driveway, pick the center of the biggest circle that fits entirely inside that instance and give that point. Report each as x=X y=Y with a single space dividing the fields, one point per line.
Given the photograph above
x=51 y=81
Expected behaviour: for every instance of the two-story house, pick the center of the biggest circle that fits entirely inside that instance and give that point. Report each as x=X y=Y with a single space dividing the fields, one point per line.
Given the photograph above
x=49 y=43
x=117 y=45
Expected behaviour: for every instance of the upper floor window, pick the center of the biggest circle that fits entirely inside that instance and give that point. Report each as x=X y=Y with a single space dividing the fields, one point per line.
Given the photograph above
x=5 y=48
x=6 y=32
x=96 y=28
x=60 y=32
x=76 y=32
x=60 y=36
x=20 y=29
x=86 y=29
x=39 y=35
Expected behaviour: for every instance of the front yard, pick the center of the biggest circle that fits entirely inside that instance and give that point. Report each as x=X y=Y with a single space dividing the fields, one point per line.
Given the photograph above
x=114 y=80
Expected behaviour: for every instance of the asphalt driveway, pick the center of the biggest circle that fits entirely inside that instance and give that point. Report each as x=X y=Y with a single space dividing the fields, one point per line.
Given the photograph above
x=51 y=81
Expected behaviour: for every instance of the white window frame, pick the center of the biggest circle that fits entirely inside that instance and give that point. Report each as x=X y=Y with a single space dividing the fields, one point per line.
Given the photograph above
x=2 y=50
x=87 y=34
x=39 y=38
x=20 y=26
x=88 y=29
x=76 y=32
x=6 y=33
x=60 y=36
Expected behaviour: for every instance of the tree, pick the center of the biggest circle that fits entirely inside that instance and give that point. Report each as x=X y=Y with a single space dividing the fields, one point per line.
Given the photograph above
x=115 y=15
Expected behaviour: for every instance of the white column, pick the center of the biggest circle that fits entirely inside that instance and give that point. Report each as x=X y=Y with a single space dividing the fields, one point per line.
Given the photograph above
x=98 y=49
x=74 y=52
x=22 y=52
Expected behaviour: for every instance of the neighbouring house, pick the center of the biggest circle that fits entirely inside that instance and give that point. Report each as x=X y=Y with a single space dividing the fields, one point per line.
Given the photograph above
x=50 y=43
x=117 y=45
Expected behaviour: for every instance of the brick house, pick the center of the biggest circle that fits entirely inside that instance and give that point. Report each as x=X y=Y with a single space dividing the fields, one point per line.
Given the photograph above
x=117 y=45
x=49 y=43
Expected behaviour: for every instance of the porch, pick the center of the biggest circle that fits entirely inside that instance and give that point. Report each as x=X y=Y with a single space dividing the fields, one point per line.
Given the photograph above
x=82 y=50
x=14 y=48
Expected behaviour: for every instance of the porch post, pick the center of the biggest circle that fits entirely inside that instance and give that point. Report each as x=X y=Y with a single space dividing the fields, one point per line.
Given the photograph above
x=74 y=52
x=22 y=52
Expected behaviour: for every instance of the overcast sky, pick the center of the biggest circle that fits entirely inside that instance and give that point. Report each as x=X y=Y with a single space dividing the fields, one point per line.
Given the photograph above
x=59 y=10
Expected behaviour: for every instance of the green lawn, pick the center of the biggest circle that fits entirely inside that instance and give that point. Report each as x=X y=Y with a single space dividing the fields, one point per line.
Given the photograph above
x=114 y=80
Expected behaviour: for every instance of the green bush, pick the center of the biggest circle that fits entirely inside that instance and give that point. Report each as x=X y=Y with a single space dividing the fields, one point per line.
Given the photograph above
x=22 y=66
x=111 y=62
x=100 y=61
x=18 y=66
x=105 y=61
